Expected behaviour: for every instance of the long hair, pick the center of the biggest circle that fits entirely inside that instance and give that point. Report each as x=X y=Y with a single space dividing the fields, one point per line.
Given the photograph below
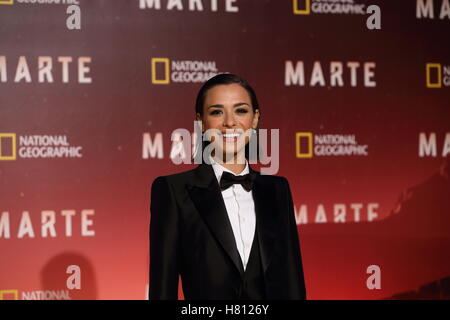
x=226 y=79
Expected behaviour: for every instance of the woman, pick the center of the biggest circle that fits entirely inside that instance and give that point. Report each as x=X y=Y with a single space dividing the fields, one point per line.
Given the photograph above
x=227 y=230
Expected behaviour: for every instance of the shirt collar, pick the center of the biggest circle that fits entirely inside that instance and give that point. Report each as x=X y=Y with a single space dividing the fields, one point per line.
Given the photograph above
x=219 y=169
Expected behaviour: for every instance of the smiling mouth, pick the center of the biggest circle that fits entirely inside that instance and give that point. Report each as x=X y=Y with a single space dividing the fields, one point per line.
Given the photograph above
x=231 y=136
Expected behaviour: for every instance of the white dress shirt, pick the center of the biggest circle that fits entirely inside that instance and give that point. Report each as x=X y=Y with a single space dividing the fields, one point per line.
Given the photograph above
x=241 y=211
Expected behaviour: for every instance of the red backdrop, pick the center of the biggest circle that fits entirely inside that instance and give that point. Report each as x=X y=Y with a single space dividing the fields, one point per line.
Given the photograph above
x=79 y=109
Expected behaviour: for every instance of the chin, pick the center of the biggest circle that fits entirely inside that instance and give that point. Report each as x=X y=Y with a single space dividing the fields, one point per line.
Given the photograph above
x=231 y=155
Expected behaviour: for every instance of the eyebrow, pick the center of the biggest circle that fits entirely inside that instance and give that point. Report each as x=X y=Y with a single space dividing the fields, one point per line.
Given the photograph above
x=235 y=105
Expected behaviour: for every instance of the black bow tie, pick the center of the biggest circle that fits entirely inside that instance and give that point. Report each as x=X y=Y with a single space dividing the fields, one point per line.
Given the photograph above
x=228 y=179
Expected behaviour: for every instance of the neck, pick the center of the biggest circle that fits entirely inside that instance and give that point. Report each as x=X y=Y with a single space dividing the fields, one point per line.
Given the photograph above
x=233 y=165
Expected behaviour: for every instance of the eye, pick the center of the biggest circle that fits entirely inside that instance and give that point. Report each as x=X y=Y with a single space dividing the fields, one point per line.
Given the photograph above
x=215 y=112
x=241 y=110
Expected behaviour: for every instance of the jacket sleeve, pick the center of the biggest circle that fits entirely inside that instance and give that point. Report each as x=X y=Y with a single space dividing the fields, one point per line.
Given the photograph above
x=164 y=272
x=297 y=289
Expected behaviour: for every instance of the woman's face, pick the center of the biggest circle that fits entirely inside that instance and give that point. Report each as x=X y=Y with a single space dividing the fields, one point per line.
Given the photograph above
x=228 y=109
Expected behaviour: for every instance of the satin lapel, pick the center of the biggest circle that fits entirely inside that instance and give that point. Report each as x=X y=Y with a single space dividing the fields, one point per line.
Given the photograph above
x=207 y=197
x=264 y=198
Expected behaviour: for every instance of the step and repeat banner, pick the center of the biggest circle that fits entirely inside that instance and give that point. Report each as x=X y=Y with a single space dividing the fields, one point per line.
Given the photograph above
x=91 y=92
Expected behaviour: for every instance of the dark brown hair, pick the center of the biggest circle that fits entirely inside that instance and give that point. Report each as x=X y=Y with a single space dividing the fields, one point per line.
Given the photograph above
x=224 y=79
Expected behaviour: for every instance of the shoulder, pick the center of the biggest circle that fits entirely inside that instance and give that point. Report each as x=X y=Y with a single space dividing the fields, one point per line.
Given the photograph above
x=278 y=180
x=279 y=183
x=176 y=179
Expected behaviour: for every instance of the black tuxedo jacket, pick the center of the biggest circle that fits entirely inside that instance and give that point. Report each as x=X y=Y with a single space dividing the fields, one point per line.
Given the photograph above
x=191 y=236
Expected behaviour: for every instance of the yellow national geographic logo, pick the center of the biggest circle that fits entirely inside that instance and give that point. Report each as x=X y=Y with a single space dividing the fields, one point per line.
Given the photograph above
x=9 y=294
x=6 y=1
x=437 y=81
x=11 y=153
x=309 y=150
x=166 y=64
x=306 y=6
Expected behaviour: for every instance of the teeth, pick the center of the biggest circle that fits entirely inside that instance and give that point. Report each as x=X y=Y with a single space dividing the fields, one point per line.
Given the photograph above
x=231 y=135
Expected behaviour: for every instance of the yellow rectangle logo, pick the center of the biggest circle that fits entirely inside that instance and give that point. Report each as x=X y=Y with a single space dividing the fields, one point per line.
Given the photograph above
x=309 y=152
x=14 y=293
x=438 y=82
x=166 y=79
x=306 y=10
x=12 y=155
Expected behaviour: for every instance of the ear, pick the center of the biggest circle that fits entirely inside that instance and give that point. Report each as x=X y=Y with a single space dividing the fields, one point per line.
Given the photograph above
x=198 y=117
x=255 y=120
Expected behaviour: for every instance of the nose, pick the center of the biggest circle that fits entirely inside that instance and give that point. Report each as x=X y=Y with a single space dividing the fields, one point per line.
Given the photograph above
x=229 y=121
